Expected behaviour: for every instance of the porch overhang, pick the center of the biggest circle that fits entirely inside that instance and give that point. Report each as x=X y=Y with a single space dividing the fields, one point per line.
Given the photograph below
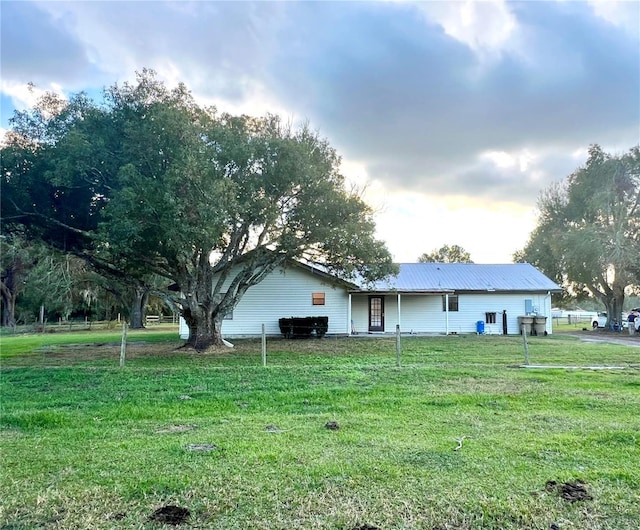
x=398 y=294
x=402 y=292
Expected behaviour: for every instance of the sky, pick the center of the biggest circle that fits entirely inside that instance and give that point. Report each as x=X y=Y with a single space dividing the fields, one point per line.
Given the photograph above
x=451 y=117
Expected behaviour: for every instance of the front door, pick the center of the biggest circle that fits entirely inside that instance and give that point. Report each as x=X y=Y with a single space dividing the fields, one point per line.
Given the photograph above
x=376 y=313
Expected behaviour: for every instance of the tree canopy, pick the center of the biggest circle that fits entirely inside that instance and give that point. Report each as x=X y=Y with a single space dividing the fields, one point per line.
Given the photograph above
x=588 y=233
x=150 y=182
x=446 y=254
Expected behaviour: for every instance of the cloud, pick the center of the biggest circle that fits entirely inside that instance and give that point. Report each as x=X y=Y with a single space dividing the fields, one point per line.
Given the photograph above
x=622 y=14
x=433 y=104
x=3 y=132
x=39 y=47
x=26 y=95
x=486 y=27
x=217 y=48
x=403 y=81
x=411 y=99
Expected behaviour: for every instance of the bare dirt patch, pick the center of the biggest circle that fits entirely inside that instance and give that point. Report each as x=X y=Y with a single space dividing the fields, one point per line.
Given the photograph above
x=570 y=491
x=175 y=429
x=66 y=354
x=211 y=350
x=170 y=514
x=273 y=429
x=201 y=448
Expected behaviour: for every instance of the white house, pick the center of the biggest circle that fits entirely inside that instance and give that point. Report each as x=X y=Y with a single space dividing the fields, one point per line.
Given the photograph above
x=295 y=291
x=439 y=298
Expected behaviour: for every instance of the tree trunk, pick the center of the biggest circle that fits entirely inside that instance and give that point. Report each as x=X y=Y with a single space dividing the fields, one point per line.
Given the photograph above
x=138 y=308
x=613 y=299
x=205 y=305
x=614 y=309
x=205 y=329
x=8 y=307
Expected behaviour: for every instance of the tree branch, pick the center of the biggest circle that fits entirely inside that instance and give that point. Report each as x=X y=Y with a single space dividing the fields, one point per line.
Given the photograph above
x=51 y=220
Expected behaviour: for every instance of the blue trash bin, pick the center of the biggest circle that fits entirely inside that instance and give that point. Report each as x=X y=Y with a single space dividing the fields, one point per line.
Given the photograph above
x=480 y=327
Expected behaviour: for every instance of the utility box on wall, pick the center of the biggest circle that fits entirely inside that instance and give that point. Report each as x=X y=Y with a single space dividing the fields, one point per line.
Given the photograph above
x=528 y=306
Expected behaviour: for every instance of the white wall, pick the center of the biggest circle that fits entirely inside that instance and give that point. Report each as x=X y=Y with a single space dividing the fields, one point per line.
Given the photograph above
x=183 y=329
x=286 y=293
x=423 y=313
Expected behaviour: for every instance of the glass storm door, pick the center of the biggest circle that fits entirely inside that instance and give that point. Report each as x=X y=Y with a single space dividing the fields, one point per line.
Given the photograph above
x=376 y=313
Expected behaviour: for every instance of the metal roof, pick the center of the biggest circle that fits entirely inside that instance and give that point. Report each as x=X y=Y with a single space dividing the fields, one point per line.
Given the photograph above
x=455 y=277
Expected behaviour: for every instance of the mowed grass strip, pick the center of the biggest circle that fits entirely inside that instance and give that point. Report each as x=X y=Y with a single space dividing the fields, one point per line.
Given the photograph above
x=86 y=444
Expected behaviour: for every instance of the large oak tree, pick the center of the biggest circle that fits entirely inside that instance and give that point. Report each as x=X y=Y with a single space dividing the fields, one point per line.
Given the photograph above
x=588 y=234
x=150 y=182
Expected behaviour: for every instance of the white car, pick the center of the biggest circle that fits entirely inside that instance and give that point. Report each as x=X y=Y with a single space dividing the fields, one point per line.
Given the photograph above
x=600 y=321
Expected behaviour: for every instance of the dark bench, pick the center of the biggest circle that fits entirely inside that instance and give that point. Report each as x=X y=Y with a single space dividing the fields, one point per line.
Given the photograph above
x=303 y=327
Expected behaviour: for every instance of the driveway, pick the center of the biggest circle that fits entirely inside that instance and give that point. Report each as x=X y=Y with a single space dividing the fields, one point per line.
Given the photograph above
x=623 y=338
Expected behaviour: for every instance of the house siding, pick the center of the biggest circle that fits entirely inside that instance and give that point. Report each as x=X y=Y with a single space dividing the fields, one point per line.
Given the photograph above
x=286 y=292
x=422 y=313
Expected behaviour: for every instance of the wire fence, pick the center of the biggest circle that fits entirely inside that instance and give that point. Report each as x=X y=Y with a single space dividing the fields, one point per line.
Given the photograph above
x=85 y=324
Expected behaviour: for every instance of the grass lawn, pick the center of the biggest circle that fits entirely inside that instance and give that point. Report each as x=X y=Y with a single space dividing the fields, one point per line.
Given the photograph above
x=86 y=444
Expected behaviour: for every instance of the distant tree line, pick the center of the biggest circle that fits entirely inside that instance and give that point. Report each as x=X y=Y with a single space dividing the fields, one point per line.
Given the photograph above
x=446 y=254
x=35 y=279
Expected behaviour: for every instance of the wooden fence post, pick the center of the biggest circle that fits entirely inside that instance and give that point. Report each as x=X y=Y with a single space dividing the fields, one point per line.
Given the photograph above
x=264 y=347
x=526 y=345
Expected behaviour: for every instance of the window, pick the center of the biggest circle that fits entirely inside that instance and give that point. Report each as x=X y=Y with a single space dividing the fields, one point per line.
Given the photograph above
x=453 y=302
x=317 y=299
x=490 y=318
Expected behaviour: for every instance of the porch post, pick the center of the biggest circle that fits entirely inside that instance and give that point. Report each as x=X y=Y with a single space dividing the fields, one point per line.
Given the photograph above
x=349 y=326
x=399 y=313
x=547 y=311
x=446 y=313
